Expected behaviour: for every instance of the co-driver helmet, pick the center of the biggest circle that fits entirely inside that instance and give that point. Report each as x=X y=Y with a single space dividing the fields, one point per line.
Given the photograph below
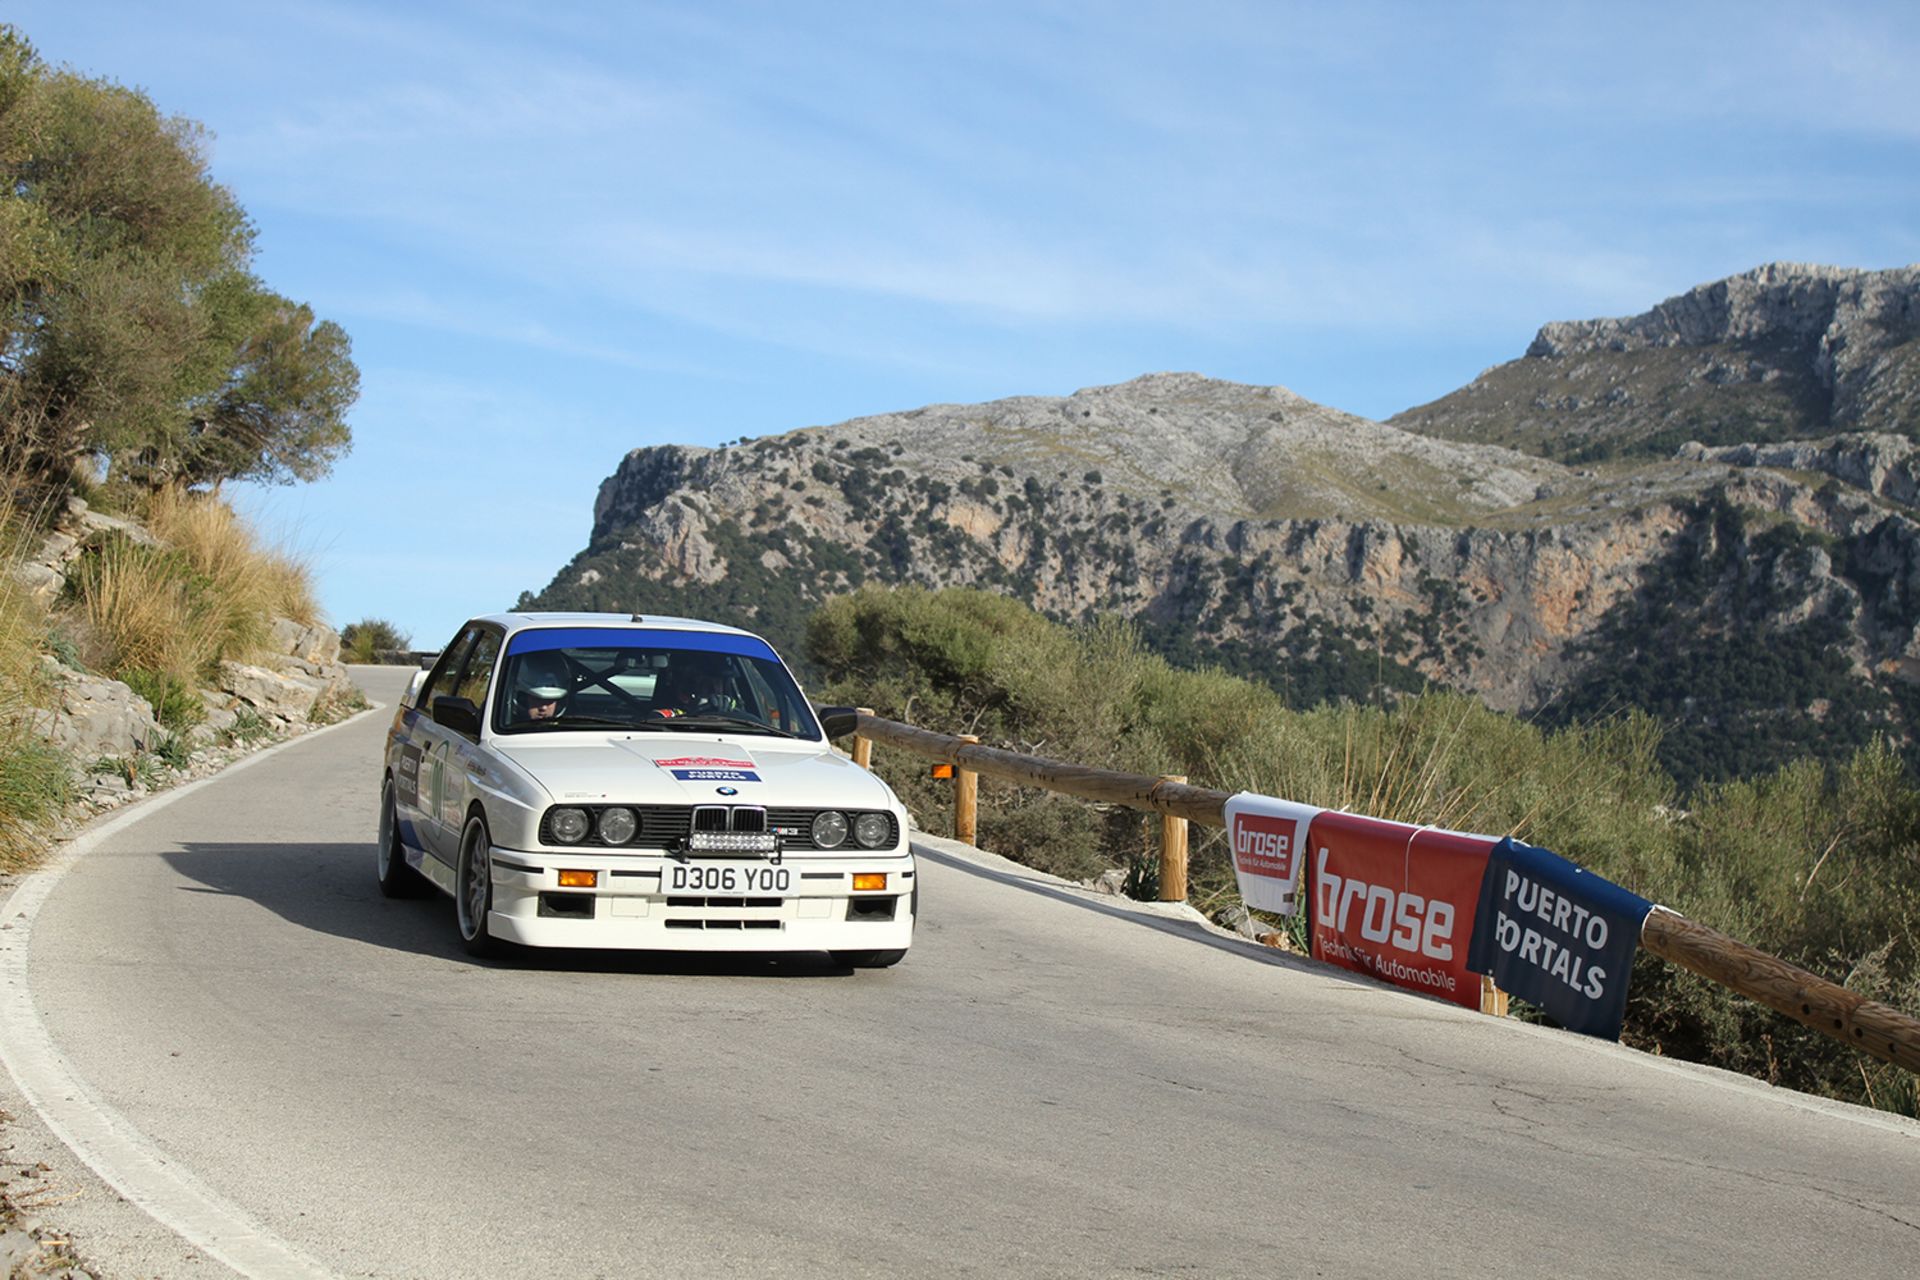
x=541 y=677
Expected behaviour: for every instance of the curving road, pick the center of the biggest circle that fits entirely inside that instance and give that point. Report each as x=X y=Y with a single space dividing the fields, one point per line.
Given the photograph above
x=1052 y=1084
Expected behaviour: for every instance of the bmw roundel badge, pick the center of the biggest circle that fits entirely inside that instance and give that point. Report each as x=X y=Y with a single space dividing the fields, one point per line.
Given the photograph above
x=728 y=791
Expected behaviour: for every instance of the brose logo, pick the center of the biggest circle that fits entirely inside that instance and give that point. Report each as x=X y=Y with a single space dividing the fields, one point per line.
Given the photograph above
x=1263 y=846
x=1404 y=920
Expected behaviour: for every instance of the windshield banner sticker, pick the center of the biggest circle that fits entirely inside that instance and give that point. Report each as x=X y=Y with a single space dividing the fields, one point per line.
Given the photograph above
x=709 y=769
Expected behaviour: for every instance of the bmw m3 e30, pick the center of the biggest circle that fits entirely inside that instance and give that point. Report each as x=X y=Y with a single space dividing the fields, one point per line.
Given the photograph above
x=600 y=780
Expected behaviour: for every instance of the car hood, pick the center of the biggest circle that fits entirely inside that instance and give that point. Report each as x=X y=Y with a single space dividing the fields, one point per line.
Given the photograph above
x=683 y=769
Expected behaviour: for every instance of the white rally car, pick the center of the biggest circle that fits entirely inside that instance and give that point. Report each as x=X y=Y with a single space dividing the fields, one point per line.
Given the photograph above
x=599 y=780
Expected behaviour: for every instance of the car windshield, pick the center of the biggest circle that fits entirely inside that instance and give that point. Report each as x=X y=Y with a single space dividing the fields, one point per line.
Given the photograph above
x=647 y=681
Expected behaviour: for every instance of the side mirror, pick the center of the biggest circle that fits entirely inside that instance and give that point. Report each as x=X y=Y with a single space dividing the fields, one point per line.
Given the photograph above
x=839 y=722
x=457 y=714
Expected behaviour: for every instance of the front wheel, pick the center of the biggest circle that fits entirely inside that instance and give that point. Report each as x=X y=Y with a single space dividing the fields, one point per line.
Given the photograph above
x=473 y=896
x=397 y=879
x=869 y=959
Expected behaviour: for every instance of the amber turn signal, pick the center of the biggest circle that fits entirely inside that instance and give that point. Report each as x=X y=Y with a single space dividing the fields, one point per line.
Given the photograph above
x=941 y=771
x=869 y=880
x=579 y=879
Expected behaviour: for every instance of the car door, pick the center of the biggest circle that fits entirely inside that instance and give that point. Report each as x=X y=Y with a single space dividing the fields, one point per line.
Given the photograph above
x=435 y=743
x=465 y=763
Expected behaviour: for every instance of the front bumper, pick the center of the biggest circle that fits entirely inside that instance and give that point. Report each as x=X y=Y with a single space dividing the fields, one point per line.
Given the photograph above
x=628 y=909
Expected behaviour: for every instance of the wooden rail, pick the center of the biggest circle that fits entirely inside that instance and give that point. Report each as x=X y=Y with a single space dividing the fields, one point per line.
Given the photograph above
x=1827 y=1007
x=1135 y=790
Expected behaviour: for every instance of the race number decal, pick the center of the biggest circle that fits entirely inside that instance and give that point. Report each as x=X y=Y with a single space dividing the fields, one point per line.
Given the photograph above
x=1397 y=902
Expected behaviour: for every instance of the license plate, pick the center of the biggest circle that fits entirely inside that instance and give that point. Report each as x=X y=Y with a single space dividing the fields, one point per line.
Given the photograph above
x=761 y=878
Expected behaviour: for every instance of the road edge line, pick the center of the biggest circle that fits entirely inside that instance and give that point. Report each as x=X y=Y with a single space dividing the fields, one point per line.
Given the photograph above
x=103 y=1140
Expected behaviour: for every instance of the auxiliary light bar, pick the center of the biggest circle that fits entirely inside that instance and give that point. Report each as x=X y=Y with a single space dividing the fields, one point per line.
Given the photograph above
x=733 y=842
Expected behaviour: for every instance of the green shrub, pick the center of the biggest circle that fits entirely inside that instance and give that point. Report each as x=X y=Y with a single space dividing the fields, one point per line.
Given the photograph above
x=173 y=751
x=248 y=726
x=363 y=641
x=176 y=703
x=35 y=784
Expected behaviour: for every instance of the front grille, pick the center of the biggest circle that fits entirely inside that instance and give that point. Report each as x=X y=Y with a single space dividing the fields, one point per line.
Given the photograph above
x=667 y=826
x=748 y=818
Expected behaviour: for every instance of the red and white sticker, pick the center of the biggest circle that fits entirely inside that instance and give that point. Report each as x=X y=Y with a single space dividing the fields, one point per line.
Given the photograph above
x=1269 y=841
x=703 y=762
x=1397 y=902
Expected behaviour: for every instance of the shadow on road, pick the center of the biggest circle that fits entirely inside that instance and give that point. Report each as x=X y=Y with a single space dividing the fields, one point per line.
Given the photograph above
x=330 y=888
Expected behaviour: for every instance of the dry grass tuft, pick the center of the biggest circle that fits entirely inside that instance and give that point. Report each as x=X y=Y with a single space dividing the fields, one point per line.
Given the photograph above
x=269 y=580
x=144 y=608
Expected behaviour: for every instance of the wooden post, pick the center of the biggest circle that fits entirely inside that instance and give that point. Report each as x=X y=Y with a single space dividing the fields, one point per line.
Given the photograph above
x=966 y=798
x=862 y=745
x=1492 y=999
x=1173 y=851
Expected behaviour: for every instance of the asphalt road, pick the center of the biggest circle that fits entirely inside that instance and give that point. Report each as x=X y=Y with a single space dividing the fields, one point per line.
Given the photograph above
x=1051 y=1084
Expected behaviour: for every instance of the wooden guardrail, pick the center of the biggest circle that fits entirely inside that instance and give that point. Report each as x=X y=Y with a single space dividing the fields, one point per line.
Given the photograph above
x=1827 y=1007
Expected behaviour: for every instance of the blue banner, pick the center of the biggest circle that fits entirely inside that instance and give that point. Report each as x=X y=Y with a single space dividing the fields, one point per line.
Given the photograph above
x=1557 y=936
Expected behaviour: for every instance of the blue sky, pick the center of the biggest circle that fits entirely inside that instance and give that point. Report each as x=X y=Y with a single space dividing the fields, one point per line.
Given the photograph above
x=558 y=232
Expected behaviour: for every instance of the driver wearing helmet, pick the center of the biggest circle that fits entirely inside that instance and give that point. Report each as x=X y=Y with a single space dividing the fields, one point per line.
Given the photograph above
x=540 y=687
x=696 y=682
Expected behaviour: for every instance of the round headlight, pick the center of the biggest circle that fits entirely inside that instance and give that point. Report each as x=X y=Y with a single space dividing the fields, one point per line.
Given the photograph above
x=569 y=826
x=830 y=830
x=870 y=830
x=617 y=825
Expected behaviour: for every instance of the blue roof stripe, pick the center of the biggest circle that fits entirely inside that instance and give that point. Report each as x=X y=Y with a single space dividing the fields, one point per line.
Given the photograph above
x=537 y=639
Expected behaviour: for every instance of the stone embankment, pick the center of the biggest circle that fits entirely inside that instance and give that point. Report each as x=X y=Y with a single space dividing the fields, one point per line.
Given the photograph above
x=108 y=729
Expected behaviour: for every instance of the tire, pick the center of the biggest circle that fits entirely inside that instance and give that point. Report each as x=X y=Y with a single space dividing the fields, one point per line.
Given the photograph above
x=869 y=959
x=473 y=890
x=397 y=879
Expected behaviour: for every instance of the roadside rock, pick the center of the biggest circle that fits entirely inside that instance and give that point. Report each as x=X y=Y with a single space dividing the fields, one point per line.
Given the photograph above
x=274 y=694
x=314 y=644
x=94 y=716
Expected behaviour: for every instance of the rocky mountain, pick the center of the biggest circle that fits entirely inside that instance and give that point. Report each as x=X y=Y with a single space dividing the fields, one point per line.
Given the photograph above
x=1758 y=592
x=1782 y=352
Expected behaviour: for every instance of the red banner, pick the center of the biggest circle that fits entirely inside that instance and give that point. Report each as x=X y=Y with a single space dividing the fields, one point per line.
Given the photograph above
x=1397 y=902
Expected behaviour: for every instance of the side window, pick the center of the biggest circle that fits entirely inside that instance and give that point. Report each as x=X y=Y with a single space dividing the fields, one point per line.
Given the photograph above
x=479 y=669
x=444 y=671
x=781 y=705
